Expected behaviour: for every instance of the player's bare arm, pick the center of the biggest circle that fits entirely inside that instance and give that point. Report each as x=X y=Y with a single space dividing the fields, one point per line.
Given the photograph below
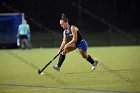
x=74 y=39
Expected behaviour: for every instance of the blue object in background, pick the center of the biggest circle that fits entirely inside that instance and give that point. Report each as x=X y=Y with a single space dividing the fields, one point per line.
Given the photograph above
x=9 y=28
x=29 y=36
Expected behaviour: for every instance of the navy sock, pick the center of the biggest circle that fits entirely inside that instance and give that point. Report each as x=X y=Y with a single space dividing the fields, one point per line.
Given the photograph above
x=90 y=60
x=61 y=60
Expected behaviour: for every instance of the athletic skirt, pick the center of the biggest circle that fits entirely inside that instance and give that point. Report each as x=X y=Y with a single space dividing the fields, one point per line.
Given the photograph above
x=82 y=45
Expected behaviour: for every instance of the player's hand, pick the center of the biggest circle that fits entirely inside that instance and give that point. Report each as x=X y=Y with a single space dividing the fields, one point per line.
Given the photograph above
x=60 y=50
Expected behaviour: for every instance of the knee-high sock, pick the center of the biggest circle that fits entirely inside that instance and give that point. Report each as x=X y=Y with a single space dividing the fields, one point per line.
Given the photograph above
x=90 y=60
x=61 y=60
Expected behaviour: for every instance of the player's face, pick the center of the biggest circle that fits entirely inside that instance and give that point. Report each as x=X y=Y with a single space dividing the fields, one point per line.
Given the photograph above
x=63 y=24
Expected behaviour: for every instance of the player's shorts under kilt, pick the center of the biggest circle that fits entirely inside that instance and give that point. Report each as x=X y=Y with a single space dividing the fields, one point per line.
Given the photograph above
x=23 y=37
x=82 y=45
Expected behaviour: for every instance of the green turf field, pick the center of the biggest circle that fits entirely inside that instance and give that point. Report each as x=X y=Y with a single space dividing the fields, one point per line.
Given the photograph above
x=118 y=71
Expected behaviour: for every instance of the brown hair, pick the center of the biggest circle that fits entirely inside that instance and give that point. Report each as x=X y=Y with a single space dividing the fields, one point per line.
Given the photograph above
x=64 y=18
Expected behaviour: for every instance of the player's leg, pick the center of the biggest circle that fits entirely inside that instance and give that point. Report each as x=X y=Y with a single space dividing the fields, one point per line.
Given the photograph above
x=62 y=57
x=89 y=58
x=83 y=46
x=28 y=44
x=63 y=54
x=22 y=42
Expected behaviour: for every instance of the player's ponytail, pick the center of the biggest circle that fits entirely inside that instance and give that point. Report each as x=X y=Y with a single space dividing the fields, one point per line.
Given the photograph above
x=63 y=17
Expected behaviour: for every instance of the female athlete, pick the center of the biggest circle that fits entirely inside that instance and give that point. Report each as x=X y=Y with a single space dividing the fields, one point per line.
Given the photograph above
x=77 y=41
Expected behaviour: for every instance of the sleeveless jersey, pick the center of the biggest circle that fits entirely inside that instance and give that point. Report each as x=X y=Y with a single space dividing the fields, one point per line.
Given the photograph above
x=69 y=34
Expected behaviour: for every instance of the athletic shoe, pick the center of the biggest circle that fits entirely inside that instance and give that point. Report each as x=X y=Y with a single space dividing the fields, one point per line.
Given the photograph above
x=56 y=67
x=94 y=65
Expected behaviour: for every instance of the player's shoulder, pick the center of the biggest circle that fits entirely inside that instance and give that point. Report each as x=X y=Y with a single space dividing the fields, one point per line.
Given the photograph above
x=74 y=27
x=20 y=25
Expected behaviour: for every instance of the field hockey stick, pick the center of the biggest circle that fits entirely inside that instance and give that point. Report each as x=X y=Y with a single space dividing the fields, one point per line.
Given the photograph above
x=40 y=71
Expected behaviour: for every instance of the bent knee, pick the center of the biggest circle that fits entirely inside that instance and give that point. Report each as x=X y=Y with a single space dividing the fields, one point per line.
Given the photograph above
x=65 y=51
x=84 y=56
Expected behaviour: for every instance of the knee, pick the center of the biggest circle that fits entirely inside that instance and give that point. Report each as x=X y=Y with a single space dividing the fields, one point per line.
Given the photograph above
x=84 y=56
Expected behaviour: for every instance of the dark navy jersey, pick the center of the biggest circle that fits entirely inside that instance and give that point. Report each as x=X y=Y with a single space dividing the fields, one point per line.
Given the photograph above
x=69 y=34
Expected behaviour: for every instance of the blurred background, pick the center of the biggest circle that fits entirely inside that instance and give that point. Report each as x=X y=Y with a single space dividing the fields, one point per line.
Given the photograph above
x=101 y=22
